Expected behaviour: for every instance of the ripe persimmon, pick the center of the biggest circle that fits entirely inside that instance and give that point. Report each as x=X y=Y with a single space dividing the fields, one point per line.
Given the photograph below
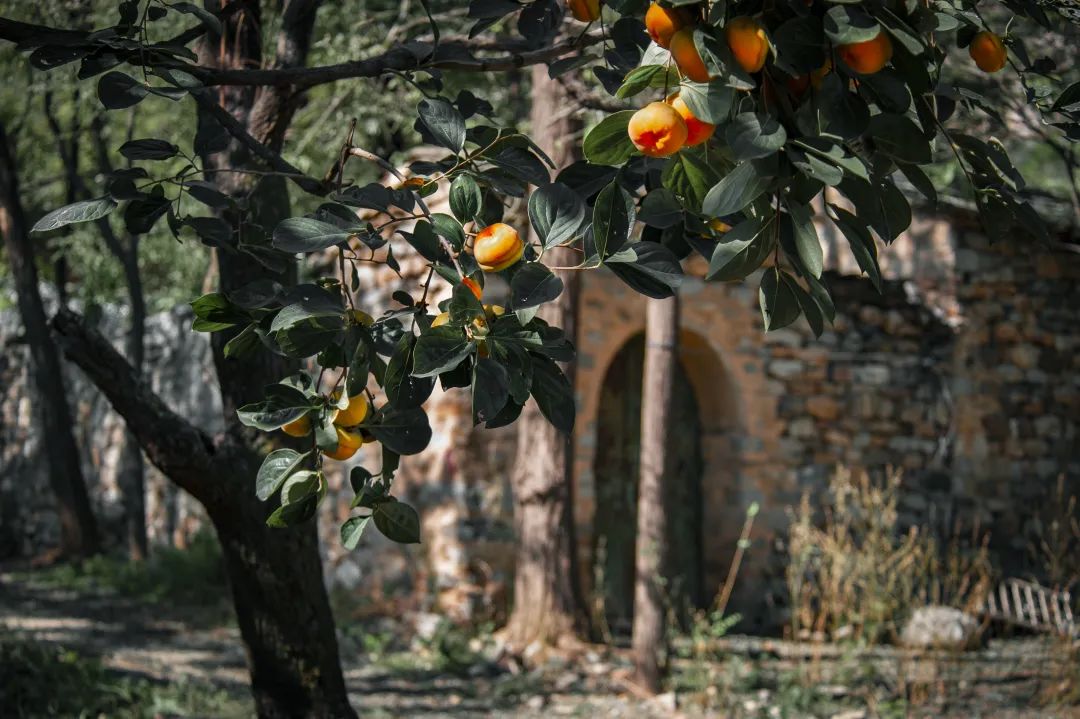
x=497 y=247
x=748 y=42
x=869 y=56
x=988 y=51
x=657 y=130
x=685 y=54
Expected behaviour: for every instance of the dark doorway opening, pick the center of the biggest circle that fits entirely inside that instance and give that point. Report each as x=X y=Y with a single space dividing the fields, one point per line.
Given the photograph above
x=616 y=471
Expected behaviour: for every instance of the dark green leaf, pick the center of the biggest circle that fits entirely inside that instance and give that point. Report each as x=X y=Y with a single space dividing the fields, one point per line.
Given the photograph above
x=398 y=522
x=444 y=122
x=534 y=284
x=608 y=142
x=556 y=213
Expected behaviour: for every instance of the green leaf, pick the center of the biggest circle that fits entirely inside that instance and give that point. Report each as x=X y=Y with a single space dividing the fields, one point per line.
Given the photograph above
x=639 y=79
x=351 y=531
x=534 y=284
x=690 y=175
x=304 y=234
x=275 y=469
x=398 y=522
x=779 y=306
x=862 y=243
x=440 y=349
x=490 y=389
x=753 y=135
x=148 y=149
x=556 y=213
x=660 y=208
x=444 y=122
x=553 y=394
x=650 y=268
x=738 y=189
x=613 y=219
x=731 y=252
x=310 y=302
x=117 y=90
x=708 y=101
x=402 y=389
x=806 y=238
x=465 y=197
x=449 y=228
x=404 y=431
x=845 y=24
x=289 y=515
x=215 y=312
x=424 y=240
x=83 y=211
x=608 y=142
x=899 y=138
x=800 y=44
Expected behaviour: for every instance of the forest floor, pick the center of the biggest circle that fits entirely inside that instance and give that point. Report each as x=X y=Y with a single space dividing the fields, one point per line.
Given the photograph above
x=173 y=659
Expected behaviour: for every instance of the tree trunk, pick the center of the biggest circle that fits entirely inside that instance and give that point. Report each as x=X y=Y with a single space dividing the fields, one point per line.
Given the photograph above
x=661 y=364
x=78 y=529
x=547 y=595
x=275 y=575
x=132 y=470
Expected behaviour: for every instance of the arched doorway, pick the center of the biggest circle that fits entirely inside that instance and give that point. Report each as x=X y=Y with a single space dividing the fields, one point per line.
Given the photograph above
x=616 y=470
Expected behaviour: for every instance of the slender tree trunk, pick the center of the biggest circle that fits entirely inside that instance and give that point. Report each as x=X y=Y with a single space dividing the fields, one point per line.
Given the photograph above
x=547 y=595
x=78 y=529
x=131 y=472
x=657 y=399
x=132 y=469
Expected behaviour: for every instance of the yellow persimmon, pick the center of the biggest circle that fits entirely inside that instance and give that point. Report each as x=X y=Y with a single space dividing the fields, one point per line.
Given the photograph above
x=497 y=247
x=298 y=427
x=348 y=443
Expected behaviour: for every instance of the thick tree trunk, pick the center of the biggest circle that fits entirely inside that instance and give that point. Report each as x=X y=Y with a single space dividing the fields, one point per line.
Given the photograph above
x=547 y=594
x=78 y=529
x=657 y=400
x=281 y=606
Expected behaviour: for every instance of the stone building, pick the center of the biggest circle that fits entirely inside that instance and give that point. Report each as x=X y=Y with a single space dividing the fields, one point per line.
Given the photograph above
x=963 y=372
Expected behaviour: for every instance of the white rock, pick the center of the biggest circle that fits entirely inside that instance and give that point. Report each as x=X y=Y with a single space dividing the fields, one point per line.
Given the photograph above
x=939 y=627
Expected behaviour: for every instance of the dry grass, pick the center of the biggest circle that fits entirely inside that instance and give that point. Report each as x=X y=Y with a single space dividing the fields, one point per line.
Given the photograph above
x=854 y=575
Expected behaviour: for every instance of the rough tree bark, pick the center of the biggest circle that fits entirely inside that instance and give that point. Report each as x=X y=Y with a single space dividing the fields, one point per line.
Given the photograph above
x=548 y=606
x=275 y=575
x=78 y=529
x=657 y=399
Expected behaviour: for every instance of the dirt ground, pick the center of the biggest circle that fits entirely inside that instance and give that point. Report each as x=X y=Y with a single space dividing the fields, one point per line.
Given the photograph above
x=739 y=677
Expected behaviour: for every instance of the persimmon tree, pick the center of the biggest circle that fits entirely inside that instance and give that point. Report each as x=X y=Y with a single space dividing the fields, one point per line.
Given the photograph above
x=748 y=111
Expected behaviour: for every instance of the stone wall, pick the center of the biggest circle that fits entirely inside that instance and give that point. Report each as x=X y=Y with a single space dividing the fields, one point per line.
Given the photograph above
x=963 y=372
x=180 y=370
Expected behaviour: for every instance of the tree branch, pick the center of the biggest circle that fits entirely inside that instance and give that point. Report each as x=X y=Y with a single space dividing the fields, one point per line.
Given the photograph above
x=175 y=446
x=275 y=161
x=452 y=54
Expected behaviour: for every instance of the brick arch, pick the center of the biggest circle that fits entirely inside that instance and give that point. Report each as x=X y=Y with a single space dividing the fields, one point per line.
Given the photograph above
x=719 y=401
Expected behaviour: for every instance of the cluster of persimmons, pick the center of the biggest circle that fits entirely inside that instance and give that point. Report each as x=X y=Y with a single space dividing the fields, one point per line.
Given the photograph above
x=496 y=247
x=661 y=129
